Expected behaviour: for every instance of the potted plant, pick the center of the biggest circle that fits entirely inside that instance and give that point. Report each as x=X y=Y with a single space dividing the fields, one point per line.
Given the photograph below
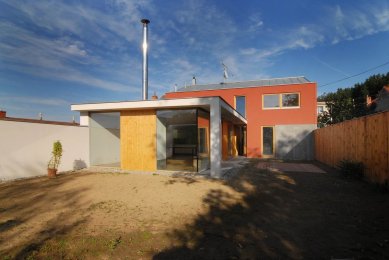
x=55 y=160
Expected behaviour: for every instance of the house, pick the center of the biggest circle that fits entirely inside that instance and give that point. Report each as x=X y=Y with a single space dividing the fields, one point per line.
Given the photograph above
x=167 y=134
x=321 y=107
x=195 y=128
x=381 y=103
x=280 y=112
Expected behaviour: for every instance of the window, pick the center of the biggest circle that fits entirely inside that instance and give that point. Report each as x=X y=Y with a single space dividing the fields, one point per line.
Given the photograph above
x=290 y=100
x=267 y=141
x=271 y=101
x=320 y=109
x=286 y=100
x=240 y=105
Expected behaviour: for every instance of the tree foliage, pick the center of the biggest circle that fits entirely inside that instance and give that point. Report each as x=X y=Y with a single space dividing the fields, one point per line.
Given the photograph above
x=347 y=103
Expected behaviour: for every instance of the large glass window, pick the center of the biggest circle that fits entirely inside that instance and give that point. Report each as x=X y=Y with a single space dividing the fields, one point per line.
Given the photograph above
x=240 y=105
x=286 y=100
x=177 y=140
x=183 y=140
x=104 y=129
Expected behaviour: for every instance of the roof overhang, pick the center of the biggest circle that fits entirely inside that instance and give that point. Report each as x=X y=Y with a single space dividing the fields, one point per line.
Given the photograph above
x=205 y=103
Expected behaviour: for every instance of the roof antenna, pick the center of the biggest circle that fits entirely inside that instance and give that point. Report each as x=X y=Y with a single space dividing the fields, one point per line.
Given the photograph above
x=225 y=72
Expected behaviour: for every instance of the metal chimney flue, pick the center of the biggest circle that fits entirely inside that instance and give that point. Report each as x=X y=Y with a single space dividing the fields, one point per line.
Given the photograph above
x=145 y=80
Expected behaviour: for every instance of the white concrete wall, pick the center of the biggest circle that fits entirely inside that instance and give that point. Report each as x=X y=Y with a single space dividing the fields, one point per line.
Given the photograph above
x=295 y=142
x=25 y=148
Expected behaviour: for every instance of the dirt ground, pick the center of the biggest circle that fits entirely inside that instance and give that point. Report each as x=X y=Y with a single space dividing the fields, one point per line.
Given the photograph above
x=256 y=214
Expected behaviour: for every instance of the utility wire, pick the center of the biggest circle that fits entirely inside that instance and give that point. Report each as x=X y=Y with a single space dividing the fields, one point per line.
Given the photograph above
x=352 y=76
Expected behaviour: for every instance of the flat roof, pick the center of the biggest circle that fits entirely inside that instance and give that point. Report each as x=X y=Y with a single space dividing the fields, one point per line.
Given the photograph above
x=247 y=84
x=227 y=111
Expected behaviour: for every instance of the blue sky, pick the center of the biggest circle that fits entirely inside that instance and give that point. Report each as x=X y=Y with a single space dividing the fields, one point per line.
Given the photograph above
x=55 y=53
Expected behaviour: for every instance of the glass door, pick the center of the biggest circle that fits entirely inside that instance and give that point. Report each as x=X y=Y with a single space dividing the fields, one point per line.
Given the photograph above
x=268 y=141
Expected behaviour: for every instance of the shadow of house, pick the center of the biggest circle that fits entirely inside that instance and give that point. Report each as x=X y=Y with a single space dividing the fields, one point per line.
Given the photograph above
x=275 y=219
x=255 y=227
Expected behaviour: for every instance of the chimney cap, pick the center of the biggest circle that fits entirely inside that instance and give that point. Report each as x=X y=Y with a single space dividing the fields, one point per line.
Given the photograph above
x=145 y=21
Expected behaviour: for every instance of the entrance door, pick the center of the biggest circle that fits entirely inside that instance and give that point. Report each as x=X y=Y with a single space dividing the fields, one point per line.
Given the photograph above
x=268 y=141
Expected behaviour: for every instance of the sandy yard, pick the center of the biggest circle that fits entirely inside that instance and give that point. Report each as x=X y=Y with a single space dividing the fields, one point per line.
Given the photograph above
x=257 y=213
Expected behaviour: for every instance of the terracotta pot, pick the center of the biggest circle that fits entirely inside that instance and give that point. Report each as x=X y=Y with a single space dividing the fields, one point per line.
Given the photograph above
x=52 y=173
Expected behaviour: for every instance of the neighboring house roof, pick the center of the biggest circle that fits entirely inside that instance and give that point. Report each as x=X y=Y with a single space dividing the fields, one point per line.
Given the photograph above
x=247 y=84
x=3 y=117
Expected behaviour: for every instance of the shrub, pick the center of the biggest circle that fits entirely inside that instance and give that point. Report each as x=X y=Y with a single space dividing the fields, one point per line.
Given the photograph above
x=351 y=169
x=56 y=156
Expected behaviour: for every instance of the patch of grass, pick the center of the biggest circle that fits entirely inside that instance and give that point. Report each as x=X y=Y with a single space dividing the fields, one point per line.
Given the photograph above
x=113 y=243
x=107 y=206
x=146 y=235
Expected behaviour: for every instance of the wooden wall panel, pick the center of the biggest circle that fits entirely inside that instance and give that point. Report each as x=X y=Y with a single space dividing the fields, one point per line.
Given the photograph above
x=138 y=140
x=225 y=139
x=364 y=139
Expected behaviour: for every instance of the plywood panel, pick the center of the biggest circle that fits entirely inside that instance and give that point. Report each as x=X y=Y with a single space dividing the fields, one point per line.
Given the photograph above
x=138 y=140
x=364 y=139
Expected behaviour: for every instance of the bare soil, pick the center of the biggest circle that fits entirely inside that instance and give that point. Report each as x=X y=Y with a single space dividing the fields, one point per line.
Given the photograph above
x=256 y=214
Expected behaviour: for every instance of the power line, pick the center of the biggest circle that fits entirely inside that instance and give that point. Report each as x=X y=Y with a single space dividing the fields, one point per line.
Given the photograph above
x=352 y=76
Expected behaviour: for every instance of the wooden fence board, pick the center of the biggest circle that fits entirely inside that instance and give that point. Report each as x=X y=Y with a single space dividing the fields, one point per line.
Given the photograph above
x=364 y=139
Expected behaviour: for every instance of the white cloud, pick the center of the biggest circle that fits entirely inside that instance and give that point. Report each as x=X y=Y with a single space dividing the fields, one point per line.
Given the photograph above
x=353 y=23
x=248 y=51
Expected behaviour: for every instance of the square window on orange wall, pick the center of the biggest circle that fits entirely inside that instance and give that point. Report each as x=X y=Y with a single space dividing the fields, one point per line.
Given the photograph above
x=271 y=101
x=279 y=101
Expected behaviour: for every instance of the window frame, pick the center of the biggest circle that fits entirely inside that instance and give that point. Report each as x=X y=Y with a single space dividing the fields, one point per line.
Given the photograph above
x=245 y=105
x=322 y=109
x=280 y=106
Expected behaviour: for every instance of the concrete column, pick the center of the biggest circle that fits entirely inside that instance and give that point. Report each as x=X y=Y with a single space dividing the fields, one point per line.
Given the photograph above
x=84 y=119
x=216 y=146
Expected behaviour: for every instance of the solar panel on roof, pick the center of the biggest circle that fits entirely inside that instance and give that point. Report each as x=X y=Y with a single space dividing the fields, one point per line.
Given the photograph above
x=245 y=84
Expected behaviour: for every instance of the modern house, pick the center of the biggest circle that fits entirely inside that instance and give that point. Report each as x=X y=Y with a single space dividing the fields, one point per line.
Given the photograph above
x=280 y=113
x=195 y=128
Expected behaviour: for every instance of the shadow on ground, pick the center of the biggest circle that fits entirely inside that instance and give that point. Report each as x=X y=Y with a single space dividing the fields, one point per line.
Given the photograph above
x=23 y=204
x=287 y=216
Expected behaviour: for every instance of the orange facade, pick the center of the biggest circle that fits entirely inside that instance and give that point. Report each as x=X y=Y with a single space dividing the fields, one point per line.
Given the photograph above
x=257 y=116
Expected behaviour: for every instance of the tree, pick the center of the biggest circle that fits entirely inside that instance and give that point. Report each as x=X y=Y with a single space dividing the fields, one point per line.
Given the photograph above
x=347 y=103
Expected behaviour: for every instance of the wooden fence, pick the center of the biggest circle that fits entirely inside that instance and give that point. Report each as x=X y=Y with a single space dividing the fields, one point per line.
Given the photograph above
x=363 y=139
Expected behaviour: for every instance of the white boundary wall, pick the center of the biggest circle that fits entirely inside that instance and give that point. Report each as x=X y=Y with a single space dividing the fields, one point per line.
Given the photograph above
x=25 y=148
